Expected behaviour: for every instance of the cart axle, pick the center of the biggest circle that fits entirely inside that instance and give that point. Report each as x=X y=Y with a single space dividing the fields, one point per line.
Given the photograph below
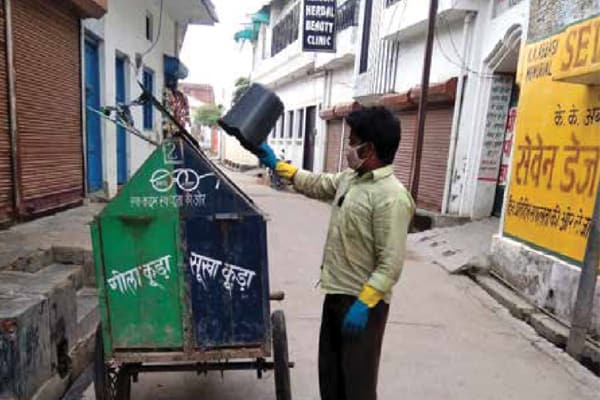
x=204 y=367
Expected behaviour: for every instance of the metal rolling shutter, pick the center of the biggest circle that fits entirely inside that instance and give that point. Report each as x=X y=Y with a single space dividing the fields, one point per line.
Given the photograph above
x=6 y=185
x=334 y=135
x=436 y=142
x=403 y=159
x=434 y=158
x=48 y=92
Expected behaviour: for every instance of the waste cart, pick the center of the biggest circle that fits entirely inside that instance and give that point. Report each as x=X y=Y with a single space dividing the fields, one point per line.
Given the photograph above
x=181 y=267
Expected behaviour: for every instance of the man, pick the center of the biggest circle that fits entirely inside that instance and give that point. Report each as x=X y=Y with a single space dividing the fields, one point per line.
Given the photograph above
x=174 y=101
x=363 y=254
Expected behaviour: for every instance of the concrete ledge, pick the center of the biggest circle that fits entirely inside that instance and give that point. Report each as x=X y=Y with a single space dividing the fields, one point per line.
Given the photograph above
x=513 y=302
x=552 y=330
x=27 y=261
x=544 y=280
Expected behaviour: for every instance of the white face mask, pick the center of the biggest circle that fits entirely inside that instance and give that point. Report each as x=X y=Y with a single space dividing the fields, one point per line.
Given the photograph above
x=354 y=161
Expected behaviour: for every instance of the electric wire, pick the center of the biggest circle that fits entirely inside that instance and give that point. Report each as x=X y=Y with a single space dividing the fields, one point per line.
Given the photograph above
x=464 y=63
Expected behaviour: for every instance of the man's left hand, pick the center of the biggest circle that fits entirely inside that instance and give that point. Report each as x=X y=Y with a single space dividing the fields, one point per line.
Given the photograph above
x=356 y=318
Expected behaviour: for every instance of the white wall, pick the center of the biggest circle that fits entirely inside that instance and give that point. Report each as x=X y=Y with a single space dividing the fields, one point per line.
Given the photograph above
x=122 y=31
x=445 y=62
x=470 y=197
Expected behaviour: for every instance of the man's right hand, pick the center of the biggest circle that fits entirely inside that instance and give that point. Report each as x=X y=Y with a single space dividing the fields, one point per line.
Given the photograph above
x=267 y=156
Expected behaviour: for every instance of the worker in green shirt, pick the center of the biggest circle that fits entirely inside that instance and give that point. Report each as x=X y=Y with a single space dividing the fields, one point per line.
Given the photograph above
x=364 y=252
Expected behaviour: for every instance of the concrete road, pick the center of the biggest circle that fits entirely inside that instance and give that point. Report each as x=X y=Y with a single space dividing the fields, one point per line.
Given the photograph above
x=446 y=338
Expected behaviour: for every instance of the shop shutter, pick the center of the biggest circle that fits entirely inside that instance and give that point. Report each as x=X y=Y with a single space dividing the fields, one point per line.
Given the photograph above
x=436 y=142
x=48 y=92
x=403 y=159
x=6 y=185
x=434 y=157
x=334 y=135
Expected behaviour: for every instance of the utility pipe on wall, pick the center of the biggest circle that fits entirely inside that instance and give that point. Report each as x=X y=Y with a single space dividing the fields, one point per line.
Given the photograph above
x=340 y=160
x=12 y=106
x=466 y=45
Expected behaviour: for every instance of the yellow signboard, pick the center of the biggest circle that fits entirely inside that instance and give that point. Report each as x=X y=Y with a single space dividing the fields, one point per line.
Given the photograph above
x=555 y=167
x=579 y=54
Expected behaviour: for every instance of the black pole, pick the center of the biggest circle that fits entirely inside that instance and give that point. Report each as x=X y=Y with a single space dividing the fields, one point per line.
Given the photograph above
x=582 y=313
x=422 y=113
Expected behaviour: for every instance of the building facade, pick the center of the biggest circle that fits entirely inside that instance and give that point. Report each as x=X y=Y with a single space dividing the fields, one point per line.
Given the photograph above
x=124 y=48
x=554 y=176
x=307 y=83
x=41 y=160
x=472 y=92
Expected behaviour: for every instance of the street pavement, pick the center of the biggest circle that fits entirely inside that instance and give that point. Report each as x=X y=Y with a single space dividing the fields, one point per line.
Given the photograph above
x=445 y=339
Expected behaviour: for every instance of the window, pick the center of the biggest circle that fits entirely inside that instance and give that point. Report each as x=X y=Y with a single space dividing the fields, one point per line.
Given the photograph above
x=148 y=111
x=347 y=15
x=300 y=122
x=281 y=125
x=149 y=26
x=285 y=32
x=366 y=36
x=290 y=130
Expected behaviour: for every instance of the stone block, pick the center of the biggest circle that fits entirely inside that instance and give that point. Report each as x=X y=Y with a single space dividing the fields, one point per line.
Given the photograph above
x=57 y=284
x=32 y=261
x=68 y=255
x=87 y=313
x=89 y=272
x=517 y=306
x=25 y=347
x=550 y=329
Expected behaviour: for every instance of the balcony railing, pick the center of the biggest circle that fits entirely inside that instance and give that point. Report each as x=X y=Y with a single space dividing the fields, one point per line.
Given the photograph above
x=390 y=2
x=347 y=15
x=285 y=32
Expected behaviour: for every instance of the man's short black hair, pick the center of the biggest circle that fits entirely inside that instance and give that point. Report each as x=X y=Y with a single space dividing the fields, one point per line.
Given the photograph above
x=379 y=126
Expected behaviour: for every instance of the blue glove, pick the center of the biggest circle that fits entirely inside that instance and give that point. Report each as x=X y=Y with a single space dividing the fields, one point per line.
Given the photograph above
x=356 y=318
x=266 y=155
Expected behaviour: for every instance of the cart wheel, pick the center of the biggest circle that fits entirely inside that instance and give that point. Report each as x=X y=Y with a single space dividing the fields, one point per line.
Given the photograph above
x=283 y=388
x=109 y=383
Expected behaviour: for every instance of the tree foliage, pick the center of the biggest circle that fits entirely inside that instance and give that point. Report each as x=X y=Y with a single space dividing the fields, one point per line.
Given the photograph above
x=208 y=115
x=241 y=85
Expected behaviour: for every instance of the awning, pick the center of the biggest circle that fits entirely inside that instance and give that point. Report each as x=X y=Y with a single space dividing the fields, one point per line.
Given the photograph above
x=195 y=12
x=90 y=8
x=250 y=32
x=263 y=16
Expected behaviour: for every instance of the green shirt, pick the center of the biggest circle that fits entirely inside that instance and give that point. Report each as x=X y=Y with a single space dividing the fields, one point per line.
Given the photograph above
x=366 y=240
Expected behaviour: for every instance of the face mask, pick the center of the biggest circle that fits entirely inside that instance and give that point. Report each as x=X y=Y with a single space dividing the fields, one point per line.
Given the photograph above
x=354 y=161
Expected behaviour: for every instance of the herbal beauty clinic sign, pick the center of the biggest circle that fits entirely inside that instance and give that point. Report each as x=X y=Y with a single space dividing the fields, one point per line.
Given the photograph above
x=318 y=30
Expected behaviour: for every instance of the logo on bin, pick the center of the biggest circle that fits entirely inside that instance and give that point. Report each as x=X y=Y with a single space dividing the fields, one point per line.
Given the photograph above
x=186 y=179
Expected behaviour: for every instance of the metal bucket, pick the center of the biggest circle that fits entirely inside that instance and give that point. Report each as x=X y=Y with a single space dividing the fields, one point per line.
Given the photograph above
x=253 y=117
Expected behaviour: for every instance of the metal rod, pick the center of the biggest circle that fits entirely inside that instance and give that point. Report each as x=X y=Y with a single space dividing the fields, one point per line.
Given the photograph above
x=342 y=139
x=418 y=143
x=201 y=367
x=129 y=129
x=582 y=313
x=12 y=105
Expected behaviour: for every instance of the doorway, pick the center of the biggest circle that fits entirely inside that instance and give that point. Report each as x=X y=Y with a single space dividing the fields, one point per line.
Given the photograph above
x=92 y=120
x=121 y=97
x=309 y=138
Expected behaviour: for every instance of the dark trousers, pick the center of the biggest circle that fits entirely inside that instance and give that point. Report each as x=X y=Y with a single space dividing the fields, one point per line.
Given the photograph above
x=348 y=366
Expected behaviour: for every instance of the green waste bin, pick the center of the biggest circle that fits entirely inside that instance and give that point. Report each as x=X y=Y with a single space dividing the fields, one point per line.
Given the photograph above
x=182 y=273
